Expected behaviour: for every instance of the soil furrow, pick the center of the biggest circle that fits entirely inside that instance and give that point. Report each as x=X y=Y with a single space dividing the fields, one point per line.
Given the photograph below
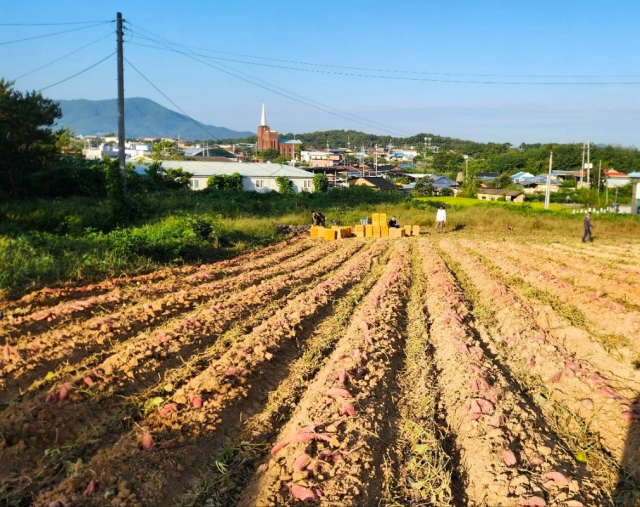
x=425 y=472
x=137 y=367
x=605 y=318
x=561 y=383
x=48 y=296
x=509 y=456
x=36 y=357
x=230 y=387
x=29 y=326
x=595 y=285
x=220 y=487
x=340 y=429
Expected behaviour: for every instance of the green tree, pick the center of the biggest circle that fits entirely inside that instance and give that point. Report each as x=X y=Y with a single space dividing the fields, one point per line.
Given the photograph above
x=446 y=192
x=320 y=183
x=167 y=178
x=216 y=182
x=284 y=185
x=269 y=155
x=164 y=150
x=27 y=143
x=234 y=182
x=502 y=181
x=423 y=188
x=281 y=159
x=470 y=188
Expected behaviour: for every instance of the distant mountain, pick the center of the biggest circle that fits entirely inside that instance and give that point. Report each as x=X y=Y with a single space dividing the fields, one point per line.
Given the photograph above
x=143 y=118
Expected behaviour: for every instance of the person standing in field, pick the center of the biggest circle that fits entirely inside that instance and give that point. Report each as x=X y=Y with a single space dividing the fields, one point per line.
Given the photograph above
x=441 y=218
x=588 y=225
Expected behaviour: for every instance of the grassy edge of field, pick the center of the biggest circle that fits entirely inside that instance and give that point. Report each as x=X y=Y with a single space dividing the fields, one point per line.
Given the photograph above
x=76 y=241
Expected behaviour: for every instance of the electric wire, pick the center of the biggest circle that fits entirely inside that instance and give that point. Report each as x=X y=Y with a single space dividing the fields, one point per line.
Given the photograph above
x=63 y=57
x=396 y=71
x=77 y=73
x=428 y=80
x=55 y=24
x=54 y=33
x=172 y=102
x=270 y=87
x=369 y=123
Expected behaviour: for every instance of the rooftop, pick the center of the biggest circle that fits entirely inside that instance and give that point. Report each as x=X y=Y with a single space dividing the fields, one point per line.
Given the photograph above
x=198 y=168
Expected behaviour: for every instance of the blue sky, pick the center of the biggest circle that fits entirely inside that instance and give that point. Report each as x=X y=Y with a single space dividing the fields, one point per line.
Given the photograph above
x=523 y=42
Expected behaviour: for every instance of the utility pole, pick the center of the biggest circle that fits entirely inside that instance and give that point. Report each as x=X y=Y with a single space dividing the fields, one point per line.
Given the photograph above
x=599 y=176
x=121 y=141
x=376 y=159
x=582 y=167
x=589 y=164
x=547 y=194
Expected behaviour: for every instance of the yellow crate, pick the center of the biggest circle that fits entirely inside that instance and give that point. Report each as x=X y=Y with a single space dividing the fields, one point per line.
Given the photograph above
x=375 y=218
x=314 y=231
x=368 y=231
x=396 y=232
x=360 y=231
x=384 y=231
x=383 y=218
x=407 y=230
x=415 y=231
x=330 y=234
x=377 y=233
x=346 y=232
x=320 y=232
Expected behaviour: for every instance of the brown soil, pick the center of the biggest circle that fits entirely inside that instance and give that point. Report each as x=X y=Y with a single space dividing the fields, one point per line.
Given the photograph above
x=172 y=388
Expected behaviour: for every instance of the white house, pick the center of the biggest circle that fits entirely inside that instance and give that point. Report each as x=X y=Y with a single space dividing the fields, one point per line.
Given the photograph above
x=131 y=151
x=259 y=177
x=615 y=178
x=320 y=158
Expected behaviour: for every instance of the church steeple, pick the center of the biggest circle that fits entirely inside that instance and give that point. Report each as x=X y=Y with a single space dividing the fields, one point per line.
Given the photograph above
x=263 y=121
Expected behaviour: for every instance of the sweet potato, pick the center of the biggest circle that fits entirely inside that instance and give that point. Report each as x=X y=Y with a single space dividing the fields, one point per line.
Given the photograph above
x=557 y=478
x=347 y=408
x=147 y=441
x=336 y=392
x=303 y=494
x=196 y=402
x=301 y=462
x=91 y=487
x=63 y=393
x=509 y=458
x=278 y=447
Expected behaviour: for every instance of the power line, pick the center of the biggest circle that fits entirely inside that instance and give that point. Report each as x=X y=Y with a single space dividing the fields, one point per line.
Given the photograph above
x=341 y=114
x=77 y=73
x=54 y=24
x=428 y=80
x=62 y=57
x=396 y=71
x=270 y=88
x=172 y=102
x=54 y=33
x=370 y=123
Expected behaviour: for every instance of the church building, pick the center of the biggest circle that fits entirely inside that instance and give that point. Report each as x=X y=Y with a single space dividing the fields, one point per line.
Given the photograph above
x=268 y=139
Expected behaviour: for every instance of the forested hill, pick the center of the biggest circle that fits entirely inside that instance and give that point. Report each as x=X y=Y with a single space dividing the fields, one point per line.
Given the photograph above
x=497 y=157
x=144 y=118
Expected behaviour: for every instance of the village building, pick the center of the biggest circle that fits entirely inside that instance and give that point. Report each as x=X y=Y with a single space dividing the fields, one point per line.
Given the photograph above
x=377 y=183
x=268 y=139
x=493 y=194
x=260 y=177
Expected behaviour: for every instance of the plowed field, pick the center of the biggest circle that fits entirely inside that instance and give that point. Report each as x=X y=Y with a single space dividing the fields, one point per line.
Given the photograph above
x=443 y=370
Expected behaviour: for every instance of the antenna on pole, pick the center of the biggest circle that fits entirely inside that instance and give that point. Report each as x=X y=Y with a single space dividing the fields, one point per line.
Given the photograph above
x=121 y=139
